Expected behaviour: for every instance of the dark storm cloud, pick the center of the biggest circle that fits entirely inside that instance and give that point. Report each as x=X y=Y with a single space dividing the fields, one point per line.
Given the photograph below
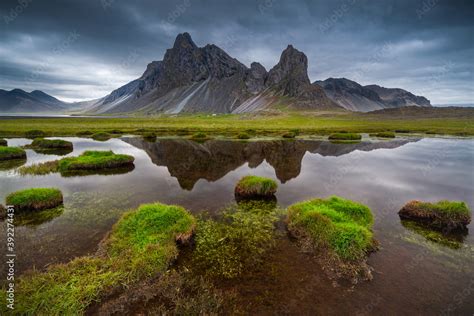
x=83 y=49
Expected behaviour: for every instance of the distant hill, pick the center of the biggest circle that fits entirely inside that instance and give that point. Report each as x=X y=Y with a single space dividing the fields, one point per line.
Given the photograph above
x=355 y=97
x=20 y=101
x=424 y=112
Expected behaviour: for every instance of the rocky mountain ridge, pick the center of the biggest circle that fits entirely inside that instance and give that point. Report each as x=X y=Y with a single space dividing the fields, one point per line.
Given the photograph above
x=207 y=79
x=355 y=97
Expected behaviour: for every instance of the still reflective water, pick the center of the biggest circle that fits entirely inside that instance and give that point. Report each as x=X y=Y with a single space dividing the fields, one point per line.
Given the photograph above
x=412 y=273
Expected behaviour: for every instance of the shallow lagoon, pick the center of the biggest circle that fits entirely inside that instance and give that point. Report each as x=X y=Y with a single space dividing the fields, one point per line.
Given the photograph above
x=410 y=272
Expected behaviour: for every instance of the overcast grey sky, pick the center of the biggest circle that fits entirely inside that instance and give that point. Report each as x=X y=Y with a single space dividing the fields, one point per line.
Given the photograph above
x=81 y=49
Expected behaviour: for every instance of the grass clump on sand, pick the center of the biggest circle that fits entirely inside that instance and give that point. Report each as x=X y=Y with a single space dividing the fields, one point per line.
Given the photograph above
x=95 y=160
x=345 y=136
x=35 y=133
x=3 y=142
x=255 y=187
x=101 y=136
x=384 y=134
x=340 y=226
x=142 y=244
x=40 y=169
x=227 y=248
x=35 y=199
x=8 y=153
x=51 y=144
x=449 y=215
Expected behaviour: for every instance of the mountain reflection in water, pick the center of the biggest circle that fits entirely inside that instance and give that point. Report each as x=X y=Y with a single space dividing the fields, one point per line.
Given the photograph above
x=189 y=161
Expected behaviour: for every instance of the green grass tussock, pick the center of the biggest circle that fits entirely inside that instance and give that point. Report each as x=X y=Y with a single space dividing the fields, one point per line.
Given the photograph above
x=142 y=243
x=443 y=214
x=3 y=142
x=384 y=134
x=95 y=160
x=253 y=186
x=35 y=199
x=341 y=226
x=345 y=136
x=101 y=136
x=8 y=153
x=227 y=248
x=51 y=144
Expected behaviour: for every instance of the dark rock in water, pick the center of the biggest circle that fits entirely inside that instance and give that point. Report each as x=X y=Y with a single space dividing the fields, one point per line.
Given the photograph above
x=444 y=215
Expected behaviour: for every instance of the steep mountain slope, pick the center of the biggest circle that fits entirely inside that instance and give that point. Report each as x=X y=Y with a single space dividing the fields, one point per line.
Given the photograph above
x=207 y=79
x=19 y=101
x=355 y=97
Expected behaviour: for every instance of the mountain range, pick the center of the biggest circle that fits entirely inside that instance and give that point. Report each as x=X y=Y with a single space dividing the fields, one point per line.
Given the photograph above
x=355 y=97
x=19 y=101
x=206 y=79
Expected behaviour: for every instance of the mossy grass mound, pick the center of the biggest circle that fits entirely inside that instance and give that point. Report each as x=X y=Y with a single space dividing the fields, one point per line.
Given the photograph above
x=8 y=153
x=447 y=215
x=43 y=143
x=255 y=187
x=345 y=136
x=142 y=244
x=384 y=134
x=35 y=199
x=3 y=142
x=339 y=226
x=95 y=160
x=101 y=136
x=35 y=133
x=235 y=243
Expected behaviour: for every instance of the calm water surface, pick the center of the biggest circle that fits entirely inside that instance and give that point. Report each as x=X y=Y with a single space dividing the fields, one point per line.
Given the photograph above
x=411 y=273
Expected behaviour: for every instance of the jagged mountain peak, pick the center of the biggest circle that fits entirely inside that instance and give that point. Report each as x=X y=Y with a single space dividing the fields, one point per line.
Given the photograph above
x=184 y=40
